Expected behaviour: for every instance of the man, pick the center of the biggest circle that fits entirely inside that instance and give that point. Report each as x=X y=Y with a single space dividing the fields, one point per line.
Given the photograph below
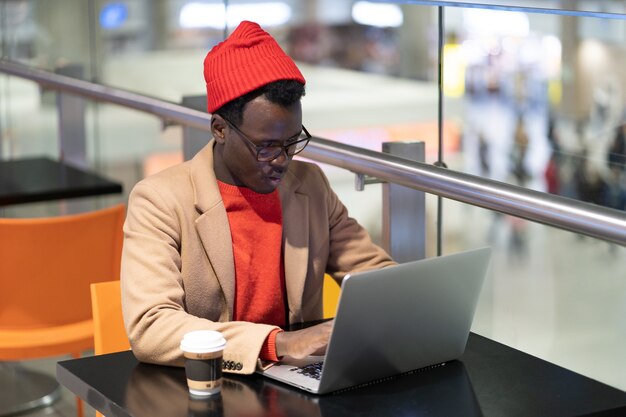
x=238 y=239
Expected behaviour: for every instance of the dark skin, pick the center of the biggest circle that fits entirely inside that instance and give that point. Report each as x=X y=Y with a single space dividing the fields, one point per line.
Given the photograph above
x=235 y=163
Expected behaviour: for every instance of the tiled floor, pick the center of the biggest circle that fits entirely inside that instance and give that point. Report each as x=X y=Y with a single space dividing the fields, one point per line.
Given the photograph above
x=64 y=406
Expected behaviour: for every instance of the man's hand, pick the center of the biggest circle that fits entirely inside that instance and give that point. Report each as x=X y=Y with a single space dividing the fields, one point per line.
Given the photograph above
x=302 y=343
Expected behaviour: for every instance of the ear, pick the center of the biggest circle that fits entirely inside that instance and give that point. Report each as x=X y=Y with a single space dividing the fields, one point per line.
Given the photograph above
x=218 y=125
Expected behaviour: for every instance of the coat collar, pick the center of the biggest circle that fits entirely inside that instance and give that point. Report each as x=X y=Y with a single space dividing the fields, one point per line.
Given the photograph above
x=214 y=231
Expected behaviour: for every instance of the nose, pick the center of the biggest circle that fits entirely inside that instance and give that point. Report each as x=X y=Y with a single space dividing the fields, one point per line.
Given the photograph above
x=282 y=160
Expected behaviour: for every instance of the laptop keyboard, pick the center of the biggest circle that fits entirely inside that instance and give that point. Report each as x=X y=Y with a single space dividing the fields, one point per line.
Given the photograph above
x=313 y=370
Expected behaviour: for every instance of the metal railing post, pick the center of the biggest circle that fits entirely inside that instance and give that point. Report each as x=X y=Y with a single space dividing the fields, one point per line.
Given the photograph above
x=194 y=139
x=404 y=210
x=71 y=113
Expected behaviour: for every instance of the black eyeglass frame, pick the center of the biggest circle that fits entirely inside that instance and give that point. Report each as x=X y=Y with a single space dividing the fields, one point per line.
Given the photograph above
x=283 y=148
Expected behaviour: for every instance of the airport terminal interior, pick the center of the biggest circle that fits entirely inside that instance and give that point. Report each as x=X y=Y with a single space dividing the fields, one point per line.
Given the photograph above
x=532 y=99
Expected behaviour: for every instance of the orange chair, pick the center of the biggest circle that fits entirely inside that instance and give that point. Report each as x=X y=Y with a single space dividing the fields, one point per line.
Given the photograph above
x=109 y=333
x=46 y=267
x=330 y=296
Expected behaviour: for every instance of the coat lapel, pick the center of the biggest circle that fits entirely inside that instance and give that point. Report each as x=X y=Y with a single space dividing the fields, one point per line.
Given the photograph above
x=212 y=225
x=295 y=243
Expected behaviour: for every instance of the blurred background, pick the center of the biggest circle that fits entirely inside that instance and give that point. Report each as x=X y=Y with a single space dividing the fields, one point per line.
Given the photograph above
x=534 y=98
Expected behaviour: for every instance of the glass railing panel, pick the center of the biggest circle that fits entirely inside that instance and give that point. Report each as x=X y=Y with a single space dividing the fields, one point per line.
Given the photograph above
x=551 y=293
x=28 y=119
x=158 y=48
x=55 y=36
x=542 y=107
x=131 y=144
x=543 y=100
x=28 y=113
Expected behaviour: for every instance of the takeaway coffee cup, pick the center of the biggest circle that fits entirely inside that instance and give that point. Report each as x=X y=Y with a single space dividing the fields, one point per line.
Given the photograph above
x=203 y=350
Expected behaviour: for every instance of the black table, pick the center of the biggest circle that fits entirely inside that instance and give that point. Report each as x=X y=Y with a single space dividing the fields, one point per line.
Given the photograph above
x=31 y=180
x=490 y=379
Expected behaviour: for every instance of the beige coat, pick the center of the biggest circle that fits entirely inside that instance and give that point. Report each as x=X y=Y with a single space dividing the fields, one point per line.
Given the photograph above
x=178 y=270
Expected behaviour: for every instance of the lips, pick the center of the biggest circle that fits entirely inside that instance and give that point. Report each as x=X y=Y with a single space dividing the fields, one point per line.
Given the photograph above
x=275 y=180
x=276 y=177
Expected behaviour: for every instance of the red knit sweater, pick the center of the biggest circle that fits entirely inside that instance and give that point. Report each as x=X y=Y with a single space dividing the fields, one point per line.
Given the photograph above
x=256 y=229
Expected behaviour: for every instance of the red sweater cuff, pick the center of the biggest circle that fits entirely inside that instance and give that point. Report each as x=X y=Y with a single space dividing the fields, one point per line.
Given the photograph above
x=268 y=350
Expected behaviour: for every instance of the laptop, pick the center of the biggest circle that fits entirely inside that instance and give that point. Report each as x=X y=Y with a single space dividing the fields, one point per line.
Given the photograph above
x=392 y=321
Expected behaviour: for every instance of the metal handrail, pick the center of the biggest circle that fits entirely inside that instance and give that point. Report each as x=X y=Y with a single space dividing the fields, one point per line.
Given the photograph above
x=561 y=212
x=562 y=8
x=169 y=111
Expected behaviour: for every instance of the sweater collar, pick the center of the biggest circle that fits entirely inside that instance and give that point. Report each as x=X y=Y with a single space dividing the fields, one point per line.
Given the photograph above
x=206 y=190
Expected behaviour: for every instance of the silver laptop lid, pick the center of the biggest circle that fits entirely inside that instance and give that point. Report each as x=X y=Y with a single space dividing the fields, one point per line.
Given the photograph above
x=405 y=317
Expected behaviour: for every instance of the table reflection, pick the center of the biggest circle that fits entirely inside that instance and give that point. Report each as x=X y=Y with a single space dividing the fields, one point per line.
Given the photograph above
x=153 y=388
x=441 y=391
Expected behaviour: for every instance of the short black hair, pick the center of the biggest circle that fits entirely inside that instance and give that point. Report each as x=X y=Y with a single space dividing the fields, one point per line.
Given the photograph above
x=282 y=92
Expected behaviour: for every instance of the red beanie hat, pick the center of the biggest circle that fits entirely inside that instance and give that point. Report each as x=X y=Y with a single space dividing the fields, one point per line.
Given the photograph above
x=248 y=59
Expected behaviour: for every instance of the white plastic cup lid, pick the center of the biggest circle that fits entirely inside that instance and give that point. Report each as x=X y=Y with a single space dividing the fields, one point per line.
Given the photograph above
x=201 y=341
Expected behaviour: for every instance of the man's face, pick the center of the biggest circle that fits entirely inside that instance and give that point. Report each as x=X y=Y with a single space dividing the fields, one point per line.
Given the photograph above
x=264 y=123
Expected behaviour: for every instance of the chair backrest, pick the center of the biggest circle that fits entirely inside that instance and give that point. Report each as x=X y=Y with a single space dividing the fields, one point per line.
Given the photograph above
x=331 y=292
x=47 y=265
x=109 y=332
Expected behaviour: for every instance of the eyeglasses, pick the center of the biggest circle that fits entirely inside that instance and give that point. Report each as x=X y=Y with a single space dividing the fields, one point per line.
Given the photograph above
x=293 y=145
